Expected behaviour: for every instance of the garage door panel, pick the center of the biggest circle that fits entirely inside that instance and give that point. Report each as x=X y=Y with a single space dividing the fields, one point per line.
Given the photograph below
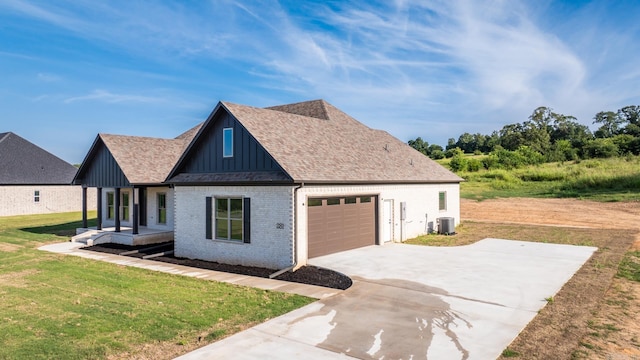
x=344 y=226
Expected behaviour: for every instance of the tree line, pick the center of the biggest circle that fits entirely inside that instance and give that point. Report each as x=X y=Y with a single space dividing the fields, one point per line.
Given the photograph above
x=546 y=136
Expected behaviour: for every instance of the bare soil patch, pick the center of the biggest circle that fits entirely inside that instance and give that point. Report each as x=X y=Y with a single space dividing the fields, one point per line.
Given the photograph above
x=8 y=247
x=560 y=212
x=594 y=316
x=16 y=279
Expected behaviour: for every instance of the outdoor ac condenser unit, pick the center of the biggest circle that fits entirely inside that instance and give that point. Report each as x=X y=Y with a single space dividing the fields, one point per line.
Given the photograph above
x=446 y=226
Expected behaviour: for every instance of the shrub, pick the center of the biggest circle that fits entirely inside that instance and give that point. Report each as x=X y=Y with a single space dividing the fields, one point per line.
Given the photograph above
x=458 y=163
x=624 y=143
x=509 y=159
x=600 y=148
x=528 y=156
x=437 y=154
x=473 y=164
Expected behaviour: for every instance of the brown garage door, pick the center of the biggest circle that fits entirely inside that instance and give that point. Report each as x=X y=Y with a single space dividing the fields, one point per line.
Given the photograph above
x=340 y=223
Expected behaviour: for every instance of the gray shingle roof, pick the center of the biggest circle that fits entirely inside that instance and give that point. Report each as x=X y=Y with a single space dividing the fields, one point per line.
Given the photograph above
x=191 y=133
x=145 y=160
x=315 y=142
x=24 y=163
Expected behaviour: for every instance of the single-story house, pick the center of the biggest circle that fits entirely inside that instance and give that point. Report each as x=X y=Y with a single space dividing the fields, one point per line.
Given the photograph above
x=273 y=187
x=34 y=181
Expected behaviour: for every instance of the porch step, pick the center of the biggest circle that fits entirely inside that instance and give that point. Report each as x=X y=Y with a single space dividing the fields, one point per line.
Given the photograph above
x=84 y=237
x=89 y=237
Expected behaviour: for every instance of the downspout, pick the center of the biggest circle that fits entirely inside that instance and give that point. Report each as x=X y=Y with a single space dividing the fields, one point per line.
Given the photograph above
x=295 y=235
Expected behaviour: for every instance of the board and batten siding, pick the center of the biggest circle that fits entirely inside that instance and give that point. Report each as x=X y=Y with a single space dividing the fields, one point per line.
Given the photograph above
x=104 y=171
x=271 y=212
x=248 y=154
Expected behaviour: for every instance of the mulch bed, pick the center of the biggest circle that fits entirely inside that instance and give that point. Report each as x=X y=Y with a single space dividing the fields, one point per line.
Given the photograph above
x=311 y=275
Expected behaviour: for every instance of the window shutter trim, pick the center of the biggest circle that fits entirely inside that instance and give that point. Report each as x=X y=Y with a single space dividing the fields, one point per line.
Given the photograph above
x=246 y=219
x=209 y=217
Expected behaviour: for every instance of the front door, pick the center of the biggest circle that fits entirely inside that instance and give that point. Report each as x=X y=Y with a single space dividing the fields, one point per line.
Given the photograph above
x=387 y=220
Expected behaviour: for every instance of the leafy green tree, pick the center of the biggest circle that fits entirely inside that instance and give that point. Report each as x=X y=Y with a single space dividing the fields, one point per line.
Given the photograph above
x=466 y=142
x=435 y=147
x=630 y=114
x=610 y=124
x=491 y=142
x=419 y=145
x=511 y=136
x=451 y=143
x=567 y=128
x=537 y=130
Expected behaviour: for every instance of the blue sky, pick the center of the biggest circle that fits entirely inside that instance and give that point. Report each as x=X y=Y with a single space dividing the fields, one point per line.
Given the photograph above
x=435 y=69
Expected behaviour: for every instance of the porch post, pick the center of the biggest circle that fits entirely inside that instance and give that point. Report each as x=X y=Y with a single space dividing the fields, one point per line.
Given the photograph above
x=117 y=209
x=99 y=209
x=84 y=207
x=136 y=209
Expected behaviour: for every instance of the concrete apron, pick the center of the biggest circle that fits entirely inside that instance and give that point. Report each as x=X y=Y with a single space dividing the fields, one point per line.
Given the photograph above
x=407 y=301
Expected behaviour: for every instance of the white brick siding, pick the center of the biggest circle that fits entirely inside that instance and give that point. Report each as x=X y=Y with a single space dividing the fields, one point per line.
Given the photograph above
x=271 y=245
x=19 y=200
x=422 y=205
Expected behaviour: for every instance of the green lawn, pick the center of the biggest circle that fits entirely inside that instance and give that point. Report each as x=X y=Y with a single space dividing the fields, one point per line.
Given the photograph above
x=65 y=307
x=614 y=179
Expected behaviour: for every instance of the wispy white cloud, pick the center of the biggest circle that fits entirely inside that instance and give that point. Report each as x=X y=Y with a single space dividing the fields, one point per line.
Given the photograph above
x=46 y=77
x=445 y=65
x=112 y=98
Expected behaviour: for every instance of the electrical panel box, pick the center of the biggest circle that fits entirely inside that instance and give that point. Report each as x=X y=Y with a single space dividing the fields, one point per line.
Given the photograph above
x=403 y=210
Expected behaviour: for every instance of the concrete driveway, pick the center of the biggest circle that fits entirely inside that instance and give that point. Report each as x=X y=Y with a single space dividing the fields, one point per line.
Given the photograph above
x=414 y=302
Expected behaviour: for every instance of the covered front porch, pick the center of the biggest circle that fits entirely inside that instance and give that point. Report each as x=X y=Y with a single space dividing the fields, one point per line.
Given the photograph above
x=134 y=205
x=126 y=236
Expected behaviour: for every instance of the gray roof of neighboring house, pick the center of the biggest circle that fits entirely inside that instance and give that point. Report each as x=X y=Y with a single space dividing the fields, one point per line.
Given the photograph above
x=24 y=163
x=314 y=141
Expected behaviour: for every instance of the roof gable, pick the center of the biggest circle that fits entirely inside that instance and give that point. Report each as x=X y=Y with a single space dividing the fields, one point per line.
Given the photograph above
x=24 y=163
x=100 y=168
x=140 y=160
x=203 y=161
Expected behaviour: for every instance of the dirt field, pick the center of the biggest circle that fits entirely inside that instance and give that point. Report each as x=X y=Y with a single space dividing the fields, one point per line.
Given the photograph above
x=611 y=327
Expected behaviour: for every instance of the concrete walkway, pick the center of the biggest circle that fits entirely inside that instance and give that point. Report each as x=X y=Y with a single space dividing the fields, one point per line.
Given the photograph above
x=465 y=302
x=72 y=248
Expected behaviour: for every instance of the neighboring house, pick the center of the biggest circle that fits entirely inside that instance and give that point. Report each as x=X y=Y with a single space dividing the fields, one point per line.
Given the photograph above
x=34 y=181
x=273 y=187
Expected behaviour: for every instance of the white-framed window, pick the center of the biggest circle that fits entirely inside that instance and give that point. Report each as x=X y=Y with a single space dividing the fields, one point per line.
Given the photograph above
x=36 y=196
x=442 y=200
x=162 y=208
x=124 y=206
x=110 y=205
x=229 y=220
x=227 y=142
